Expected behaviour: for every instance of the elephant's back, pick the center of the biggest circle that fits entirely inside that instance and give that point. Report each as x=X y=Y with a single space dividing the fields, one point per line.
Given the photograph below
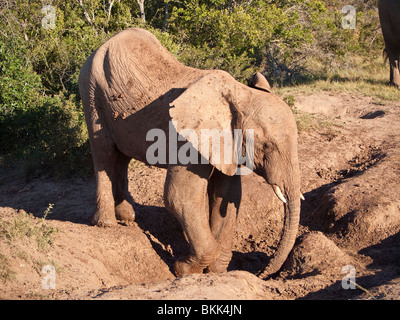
x=132 y=79
x=138 y=51
x=133 y=64
x=142 y=47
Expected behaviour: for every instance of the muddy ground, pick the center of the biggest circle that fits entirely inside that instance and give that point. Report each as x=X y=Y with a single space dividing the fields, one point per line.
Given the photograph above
x=349 y=150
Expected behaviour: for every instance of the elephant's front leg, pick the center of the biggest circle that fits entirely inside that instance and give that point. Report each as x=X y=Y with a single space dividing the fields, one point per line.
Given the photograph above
x=225 y=195
x=185 y=196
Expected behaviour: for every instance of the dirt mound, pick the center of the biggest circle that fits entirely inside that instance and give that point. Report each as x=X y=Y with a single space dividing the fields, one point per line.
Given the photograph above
x=315 y=254
x=84 y=257
x=361 y=208
x=350 y=178
x=234 y=285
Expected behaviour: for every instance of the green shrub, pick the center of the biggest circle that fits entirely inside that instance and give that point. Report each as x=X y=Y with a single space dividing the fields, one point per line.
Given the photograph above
x=26 y=225
x=290 y=41
x=47 y=132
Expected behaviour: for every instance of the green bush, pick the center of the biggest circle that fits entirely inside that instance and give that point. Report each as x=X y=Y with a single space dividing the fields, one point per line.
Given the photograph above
x=41 y=118
x=57 y=139
x=46 y=132
x=241 y=37
x=25 y=225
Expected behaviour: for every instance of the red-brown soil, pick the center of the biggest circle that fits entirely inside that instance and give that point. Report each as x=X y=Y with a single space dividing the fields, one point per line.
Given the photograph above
x=350 y=163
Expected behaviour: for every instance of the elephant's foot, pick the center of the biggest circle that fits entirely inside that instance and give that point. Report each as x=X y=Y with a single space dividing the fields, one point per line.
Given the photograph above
x=394 y=84
x=220 y=264
x=102 y=219
x=187 y=265
x=124 y=212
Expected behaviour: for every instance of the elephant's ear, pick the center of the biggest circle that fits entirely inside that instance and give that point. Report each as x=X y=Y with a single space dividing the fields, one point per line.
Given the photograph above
x=204 y=109
x=258 y=81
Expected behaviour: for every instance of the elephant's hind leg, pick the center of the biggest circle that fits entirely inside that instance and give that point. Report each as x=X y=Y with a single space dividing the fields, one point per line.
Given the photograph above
x=104 y=160
x=185 y=195
x=123 y=206
x=105 y=213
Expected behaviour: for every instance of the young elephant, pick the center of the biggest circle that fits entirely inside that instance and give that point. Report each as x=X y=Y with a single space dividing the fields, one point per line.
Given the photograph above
x=133 y=90
x=389 y=13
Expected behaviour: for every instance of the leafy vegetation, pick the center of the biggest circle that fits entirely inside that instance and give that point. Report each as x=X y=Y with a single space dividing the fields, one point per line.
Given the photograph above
x=6 y=273
x=26 y=225
x=42 y=50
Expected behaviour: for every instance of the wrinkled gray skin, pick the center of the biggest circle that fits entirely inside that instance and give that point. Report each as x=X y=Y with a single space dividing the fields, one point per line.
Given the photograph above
x=132 y=84
x=389 y=16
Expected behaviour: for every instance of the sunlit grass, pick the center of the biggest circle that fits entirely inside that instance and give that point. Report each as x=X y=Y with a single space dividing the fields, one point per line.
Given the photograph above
x=369 y=78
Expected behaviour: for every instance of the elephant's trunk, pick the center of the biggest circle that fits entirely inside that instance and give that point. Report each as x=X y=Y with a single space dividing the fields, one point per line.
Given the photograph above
x=290 y=228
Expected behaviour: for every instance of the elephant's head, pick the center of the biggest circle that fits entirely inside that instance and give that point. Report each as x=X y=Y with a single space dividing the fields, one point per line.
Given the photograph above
x=217 y=101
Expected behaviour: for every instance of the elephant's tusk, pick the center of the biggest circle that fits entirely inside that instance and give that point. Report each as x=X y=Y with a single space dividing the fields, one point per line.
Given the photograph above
x=302 y=197
x=278 y=193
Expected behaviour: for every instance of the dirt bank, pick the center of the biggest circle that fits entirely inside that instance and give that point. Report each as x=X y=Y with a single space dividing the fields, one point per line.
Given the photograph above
x=350 y=161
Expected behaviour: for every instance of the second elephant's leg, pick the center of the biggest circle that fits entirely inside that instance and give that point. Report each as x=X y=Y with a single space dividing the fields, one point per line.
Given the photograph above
x=123 y=206
x=394 y=72
x=185 y=195
x=225 y=196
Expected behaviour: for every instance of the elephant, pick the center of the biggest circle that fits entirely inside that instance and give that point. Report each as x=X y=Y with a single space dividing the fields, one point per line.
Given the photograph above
x=389 y=12
x=132 y=89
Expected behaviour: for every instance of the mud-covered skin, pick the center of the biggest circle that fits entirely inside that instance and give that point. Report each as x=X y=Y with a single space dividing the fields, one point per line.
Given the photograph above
x=131 y=85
